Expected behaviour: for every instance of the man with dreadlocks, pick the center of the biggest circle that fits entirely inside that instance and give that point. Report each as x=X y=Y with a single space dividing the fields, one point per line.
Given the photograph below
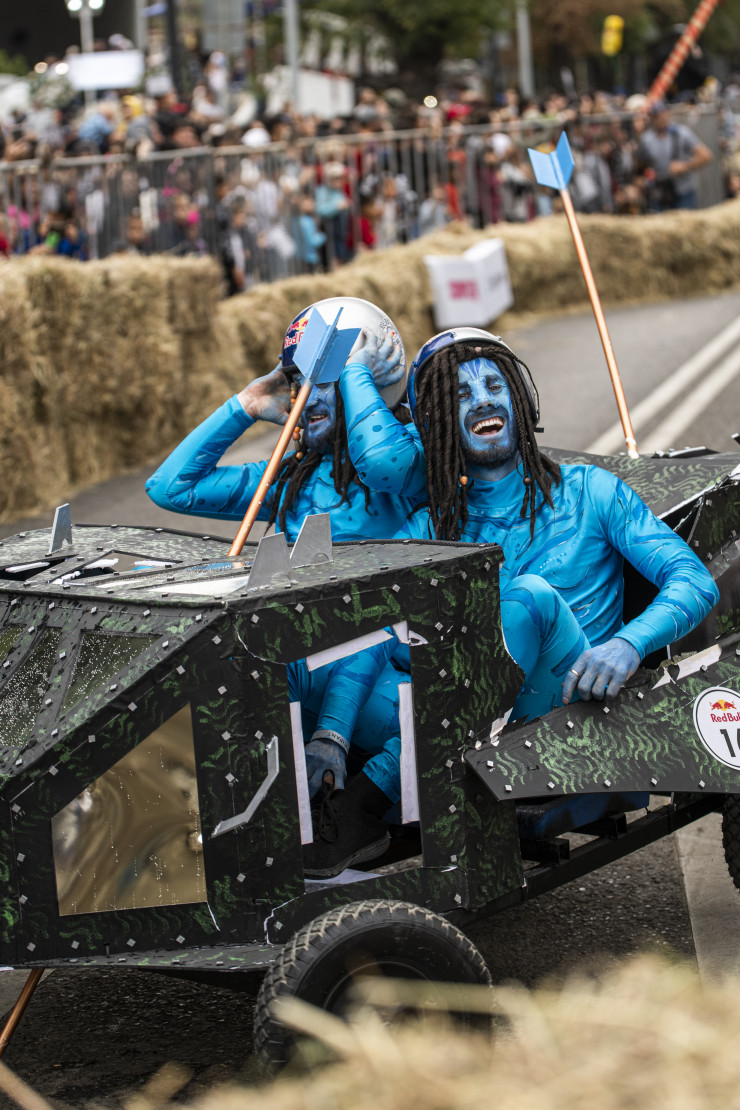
x=319 y=475
x=353 y=702
x=565 y=532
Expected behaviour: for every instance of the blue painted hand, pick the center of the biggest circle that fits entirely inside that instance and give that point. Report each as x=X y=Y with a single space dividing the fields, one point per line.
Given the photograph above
x=323 y=756
x=384 y=361
x=267 y=398
x=601 y=671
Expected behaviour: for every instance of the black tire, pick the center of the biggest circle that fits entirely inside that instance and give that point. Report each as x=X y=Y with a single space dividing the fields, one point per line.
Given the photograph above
x=731 y=836
x=319 y=964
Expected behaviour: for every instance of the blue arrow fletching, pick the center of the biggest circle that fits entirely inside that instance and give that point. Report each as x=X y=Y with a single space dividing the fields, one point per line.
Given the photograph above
x=554 y=169
x=324 y=349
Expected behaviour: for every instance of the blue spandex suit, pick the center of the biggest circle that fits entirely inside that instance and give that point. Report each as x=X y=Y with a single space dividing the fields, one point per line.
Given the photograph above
x=562 y=591
x=191 y=481
x=355 y=697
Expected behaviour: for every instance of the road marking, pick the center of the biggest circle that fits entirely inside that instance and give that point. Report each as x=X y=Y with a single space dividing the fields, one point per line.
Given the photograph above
x=713 y=901
x=676 y=385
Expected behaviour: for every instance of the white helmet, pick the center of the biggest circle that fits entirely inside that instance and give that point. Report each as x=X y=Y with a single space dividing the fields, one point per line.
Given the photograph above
x=356 y=313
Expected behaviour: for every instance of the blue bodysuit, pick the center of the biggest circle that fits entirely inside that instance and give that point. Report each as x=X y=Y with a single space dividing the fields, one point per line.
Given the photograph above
x=191 y=481
x=354 y=696
x=562 y=591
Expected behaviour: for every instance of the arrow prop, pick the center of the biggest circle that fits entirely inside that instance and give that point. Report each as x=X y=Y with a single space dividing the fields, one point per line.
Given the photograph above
x=554 y=171
x=678 y=55
x=320 y=356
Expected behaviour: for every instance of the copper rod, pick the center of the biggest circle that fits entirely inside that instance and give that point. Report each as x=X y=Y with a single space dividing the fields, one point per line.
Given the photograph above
x=34 y=977
x=606 y=342
x=275 y=459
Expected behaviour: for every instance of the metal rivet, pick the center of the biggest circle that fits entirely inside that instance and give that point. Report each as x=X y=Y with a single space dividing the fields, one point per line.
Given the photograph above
x=508 y=788
x=230 y=777
x=91 y=739
x=702 y=784
x=199 y=616
x=132 y=706
x=255 y=618
x=278 y=924
x=640 y=695
x=489 y=763
x=442 y=673
x=347 y=598
x=607 y=782
x=453 y=809
x=222 y=690
x=551 y=786
x=439 y=626
x=23 y=899
x=131 y=942
x=605 y=709
x=653 y=782
x=453 y=859
x=180 y=670
x=569 y=724
x=299 y=608
x=75 y=944
x=165 y=643
x=30 y=946
x=449 y=763
x=53 y=771
x=20 y=857
x=225 y=735
x=434 y=582
x=527 y=743
x=445 y=723
x=254 y=674
x=241 y=877
x=180 y=939
x=269 y=861
x=458 y=899
x=114 y=686
x=258 y=735
x=395 y=588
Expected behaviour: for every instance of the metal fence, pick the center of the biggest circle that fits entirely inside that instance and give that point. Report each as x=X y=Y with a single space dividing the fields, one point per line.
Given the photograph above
x=356 y=192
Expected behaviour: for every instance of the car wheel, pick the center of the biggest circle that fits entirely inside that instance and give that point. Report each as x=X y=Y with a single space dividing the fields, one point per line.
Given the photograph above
x=322 y=961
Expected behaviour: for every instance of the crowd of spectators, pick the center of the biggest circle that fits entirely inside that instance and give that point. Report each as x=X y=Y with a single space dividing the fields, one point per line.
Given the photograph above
x=292 y=192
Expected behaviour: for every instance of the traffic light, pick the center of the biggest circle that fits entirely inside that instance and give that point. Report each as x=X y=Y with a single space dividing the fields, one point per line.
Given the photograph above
x=611 y=36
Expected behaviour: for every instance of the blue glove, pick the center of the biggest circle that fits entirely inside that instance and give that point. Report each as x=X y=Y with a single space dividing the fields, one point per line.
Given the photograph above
x=324 y=756
x=601 y=671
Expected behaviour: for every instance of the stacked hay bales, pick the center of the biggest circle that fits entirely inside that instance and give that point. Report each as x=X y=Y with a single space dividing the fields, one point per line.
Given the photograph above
x=106 y=365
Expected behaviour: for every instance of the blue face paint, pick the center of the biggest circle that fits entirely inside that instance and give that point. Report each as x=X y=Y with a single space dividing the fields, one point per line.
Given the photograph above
x=319 y=418
x=488 y=429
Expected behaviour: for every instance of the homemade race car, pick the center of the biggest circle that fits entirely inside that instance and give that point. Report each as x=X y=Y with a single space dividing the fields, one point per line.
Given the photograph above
x=154 y=797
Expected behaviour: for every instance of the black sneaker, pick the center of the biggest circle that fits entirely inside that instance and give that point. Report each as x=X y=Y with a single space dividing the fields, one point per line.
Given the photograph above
x=343 y=834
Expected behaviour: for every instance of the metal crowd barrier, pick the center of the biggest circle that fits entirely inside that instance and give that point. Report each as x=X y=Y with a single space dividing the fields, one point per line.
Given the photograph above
x=398 y=185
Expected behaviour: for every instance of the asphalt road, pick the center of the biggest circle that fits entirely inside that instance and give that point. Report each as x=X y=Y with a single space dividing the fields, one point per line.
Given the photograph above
x=99 y=1036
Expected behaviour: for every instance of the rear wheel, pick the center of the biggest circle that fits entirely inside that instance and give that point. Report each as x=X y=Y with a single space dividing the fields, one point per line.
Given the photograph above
x=321 y=962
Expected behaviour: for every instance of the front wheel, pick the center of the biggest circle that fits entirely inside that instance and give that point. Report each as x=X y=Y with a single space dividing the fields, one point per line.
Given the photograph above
x=320 y=963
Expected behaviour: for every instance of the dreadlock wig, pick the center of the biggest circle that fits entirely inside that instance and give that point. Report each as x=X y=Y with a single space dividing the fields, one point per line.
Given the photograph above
x=297 y=467
x=438 y=420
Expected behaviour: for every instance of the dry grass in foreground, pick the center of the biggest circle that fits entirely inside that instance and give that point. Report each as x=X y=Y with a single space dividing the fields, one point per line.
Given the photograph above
x=647 y=1034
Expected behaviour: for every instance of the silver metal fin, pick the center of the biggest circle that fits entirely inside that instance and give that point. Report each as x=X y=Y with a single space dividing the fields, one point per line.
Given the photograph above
x=240 y=819
x=61 y=530
x=271 y=566
x=313 y=544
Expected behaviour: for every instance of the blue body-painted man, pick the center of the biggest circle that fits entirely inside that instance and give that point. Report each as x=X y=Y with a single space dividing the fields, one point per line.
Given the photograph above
x=565 y=531
x=354 y=700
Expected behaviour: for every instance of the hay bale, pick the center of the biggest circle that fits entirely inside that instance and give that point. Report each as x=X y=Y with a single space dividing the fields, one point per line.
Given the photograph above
x=106 y=365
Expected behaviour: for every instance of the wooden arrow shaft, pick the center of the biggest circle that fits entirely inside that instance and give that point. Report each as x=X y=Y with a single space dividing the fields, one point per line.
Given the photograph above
x=606 y=342
x=272 y=468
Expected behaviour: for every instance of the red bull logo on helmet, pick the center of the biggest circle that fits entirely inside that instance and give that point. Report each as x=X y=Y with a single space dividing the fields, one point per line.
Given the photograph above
x=293 y=336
